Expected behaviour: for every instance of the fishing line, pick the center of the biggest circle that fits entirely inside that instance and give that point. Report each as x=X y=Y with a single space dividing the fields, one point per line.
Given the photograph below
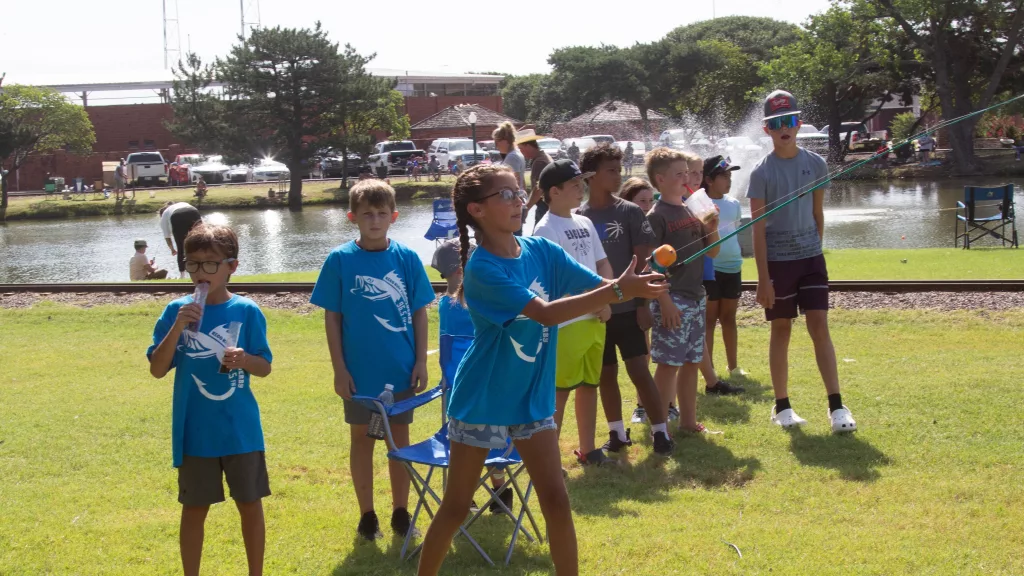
x=801 y=192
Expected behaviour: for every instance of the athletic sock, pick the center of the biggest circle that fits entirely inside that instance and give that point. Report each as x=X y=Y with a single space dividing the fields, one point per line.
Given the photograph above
x=619 y=428
x=655 y=428
x=835 y=402
x=782 y=404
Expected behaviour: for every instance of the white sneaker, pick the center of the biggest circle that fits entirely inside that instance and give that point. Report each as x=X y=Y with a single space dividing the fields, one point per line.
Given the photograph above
x=738 y=372
x=842 y=421
x=787 y=418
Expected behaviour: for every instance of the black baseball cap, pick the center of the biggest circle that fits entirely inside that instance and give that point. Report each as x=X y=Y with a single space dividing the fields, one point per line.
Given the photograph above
x=780 y=103
x=716 y=165
x=559 y=172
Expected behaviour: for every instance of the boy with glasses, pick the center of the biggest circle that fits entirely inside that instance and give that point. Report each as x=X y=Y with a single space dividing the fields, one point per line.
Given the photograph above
x=215 y=421
x=791 y=272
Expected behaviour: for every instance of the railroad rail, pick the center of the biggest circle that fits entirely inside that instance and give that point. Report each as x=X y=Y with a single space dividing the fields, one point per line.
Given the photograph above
x=881 y=286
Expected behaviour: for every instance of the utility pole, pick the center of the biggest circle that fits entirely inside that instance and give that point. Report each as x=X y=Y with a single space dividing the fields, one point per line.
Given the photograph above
x=251 y=23
x=175 y=34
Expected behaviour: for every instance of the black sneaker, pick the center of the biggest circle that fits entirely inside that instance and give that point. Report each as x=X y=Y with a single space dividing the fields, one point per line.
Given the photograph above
x=401 y=522
x=369 y=526
x=663 y=445
x=592 y=458
x=614 y=444
x=506 y=498
x=723 y=388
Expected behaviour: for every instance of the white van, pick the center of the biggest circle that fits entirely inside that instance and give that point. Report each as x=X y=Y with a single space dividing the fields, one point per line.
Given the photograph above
x=448 y=148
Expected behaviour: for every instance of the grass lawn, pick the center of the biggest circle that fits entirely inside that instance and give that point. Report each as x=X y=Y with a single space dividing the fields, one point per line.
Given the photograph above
x=849 y=264
x=932 y=484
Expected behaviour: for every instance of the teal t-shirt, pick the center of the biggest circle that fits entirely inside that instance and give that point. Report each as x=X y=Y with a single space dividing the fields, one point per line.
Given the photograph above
x=508 y=375
x=214 y=414
x=376 y=293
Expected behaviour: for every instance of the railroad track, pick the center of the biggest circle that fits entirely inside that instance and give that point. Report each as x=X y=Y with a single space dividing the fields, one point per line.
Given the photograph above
x=879 y=286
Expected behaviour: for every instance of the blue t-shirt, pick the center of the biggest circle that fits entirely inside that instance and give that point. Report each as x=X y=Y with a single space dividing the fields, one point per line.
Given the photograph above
x=508 y=375
x=376 y=293
x=214 y=414
x=456 y=333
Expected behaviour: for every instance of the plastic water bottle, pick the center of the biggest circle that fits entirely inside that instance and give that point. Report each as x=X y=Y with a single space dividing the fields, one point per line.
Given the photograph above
x=376 y=427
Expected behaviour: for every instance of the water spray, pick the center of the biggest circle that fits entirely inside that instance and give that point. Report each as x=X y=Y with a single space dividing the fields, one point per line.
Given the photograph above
x=799 y=193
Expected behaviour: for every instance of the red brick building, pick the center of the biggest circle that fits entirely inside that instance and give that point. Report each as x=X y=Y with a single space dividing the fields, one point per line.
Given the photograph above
x=124 y=128
x=453 y=122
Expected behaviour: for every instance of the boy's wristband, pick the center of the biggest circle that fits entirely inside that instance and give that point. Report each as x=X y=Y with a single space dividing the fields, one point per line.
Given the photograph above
x=618 y=291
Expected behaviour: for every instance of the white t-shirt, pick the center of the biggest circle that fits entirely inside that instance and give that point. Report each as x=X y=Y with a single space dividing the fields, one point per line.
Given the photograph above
x=137 y=267
x=730 y=258
x=165 y=218
x=578 y=237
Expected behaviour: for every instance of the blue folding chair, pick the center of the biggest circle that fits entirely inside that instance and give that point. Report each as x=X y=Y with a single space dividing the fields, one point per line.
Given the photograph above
x=443 y=226
x=998 y=197
x=434 y=454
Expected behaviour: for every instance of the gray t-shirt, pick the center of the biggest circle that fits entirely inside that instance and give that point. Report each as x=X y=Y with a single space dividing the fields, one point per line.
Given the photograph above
x=517 y=163
x=791 y=233
x=677 y=227
x=621 y=227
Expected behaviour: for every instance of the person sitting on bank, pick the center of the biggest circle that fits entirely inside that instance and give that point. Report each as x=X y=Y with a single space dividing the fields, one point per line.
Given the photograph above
x=142 y=268
x=200 y=188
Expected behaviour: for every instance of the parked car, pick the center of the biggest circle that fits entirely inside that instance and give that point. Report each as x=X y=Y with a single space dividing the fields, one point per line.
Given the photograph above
x=811 y=138
x=445 y=149
x=601 y=138
x=740 y=149
x=392 y=146
x=334 y=167
x=238 y=173
x=482 y=157
x=269 y=170
x=581 y=142
x=394 y=162
x=553 y=146
x=213 y=170
x=860 y=139
x=486 y=144
x=145 y=168
x=639 y=151
x=179 y=172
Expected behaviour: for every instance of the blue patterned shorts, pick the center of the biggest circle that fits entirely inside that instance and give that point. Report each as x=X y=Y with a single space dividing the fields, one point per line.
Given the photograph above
x=684 y=345
x=490 y=436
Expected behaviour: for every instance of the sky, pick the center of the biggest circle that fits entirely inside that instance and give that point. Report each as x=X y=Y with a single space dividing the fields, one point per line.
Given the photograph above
x=73 y=41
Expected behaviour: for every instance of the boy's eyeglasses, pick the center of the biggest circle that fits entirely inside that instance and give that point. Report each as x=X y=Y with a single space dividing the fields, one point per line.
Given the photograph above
x=507 y=195
x=208 y=266
x=781 y=122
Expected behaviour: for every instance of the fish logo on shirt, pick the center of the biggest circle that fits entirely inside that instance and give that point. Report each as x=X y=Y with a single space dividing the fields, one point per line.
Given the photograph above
x=390 y=287
x=198 y=345
x=537 y=288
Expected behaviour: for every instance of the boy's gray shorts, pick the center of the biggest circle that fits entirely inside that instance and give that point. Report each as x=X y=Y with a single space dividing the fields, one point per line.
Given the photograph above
x=684 y=345
x=200 y=479
x=356 y=413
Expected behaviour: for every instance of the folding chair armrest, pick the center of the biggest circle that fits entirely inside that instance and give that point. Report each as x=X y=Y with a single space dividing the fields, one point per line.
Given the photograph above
x=960 y=204
x=374 y=405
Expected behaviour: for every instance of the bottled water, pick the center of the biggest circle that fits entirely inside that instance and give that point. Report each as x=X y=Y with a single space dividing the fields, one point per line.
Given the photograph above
x=376 y=427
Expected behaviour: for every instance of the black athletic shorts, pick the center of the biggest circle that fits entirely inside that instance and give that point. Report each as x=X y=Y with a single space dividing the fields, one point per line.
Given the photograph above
x=622 y=330
x=727 y=285
x=182 y=222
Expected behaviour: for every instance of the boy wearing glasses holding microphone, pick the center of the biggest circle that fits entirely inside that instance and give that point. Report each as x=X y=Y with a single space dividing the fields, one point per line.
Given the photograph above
x=215 y=340
x=791 y=272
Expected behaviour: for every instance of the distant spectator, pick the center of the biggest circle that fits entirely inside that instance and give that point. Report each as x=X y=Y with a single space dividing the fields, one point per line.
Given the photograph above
x=434 y=168
x=119 y=179
x=527 y=143
x=627 y=158
x=574 y=153
x=141 y=268
x=926 y=146
x=505 y=141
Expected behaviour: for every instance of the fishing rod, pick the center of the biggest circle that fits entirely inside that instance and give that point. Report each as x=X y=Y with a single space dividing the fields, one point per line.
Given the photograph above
x=798 y=193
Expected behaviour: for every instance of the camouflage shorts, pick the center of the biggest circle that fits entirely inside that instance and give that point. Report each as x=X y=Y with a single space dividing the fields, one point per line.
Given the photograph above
x=491 y=436
x=684 y=345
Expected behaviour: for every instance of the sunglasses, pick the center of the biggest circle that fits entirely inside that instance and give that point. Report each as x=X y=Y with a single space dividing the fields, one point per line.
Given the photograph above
x=507 y=195
x=781 y=122
x=208 y=266
x=723 y=165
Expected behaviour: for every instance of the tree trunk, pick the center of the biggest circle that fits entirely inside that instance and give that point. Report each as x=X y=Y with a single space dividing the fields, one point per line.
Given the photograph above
x=344 y=167
x=3 y=195
x=295 y=189
x=953 y=106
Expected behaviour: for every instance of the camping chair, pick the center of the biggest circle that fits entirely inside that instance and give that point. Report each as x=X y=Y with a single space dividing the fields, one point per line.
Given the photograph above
x=443 y=226
x=1000 y=197
x=434 y=454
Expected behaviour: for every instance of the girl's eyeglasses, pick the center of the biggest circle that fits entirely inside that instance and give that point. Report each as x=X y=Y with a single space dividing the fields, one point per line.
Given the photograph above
x=507 y=195
x=208 y=266
x=781 y=122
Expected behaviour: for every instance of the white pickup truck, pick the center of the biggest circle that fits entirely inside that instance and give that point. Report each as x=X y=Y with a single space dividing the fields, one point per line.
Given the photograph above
x=145 y=168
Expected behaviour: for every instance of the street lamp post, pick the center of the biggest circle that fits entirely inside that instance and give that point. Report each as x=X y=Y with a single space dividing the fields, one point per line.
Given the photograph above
x=472 y=124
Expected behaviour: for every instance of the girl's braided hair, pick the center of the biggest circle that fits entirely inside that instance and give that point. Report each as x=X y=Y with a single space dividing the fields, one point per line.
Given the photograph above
x=470 y=187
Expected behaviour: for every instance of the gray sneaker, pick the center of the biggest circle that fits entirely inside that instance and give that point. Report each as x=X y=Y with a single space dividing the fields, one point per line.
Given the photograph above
x=673 y=413
x=639 y=415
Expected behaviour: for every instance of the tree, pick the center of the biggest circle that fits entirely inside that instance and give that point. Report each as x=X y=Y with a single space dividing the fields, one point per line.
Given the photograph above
x=516 y=95
x=838 y=65
x=969 y=46
x=285 y=92
x=371 y=104
x=38 y=120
